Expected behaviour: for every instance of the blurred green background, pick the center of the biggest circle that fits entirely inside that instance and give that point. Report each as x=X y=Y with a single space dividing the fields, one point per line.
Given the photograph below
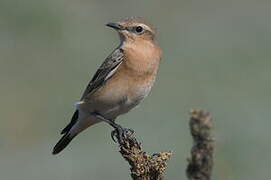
x=216 y=55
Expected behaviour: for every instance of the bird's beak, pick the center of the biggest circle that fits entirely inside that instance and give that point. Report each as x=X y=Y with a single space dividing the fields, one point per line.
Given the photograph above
x=115 y=26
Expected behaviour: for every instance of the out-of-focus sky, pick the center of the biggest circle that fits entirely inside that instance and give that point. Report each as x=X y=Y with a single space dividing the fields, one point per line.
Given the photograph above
x=216 y=55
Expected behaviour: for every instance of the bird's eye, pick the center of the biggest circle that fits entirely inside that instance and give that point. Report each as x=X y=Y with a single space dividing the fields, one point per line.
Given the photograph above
x=139 y=29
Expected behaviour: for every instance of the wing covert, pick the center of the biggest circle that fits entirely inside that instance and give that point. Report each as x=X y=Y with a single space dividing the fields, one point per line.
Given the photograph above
x=105 y=71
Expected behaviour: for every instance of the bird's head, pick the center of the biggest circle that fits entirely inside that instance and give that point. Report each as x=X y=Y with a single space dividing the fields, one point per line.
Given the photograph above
x=134 y=29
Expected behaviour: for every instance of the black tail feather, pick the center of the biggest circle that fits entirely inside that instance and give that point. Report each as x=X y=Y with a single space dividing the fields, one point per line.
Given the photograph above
x=70 y=125
x=62 y=143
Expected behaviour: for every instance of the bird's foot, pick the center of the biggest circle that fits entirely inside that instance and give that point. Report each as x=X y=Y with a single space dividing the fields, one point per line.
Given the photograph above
x=119 y=134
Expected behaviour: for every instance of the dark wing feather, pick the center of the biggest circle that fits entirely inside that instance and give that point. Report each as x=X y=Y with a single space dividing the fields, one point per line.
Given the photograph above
x=105 y=71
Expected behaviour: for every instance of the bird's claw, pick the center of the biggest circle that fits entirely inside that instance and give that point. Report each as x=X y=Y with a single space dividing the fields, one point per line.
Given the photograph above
x=113 y=135
x=121 y=134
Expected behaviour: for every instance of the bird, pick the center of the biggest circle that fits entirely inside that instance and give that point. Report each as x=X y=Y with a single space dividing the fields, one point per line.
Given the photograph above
x=122 y=81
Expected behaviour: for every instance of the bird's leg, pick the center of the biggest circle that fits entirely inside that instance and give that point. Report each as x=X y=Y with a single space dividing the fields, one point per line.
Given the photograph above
x=118 y=131
x=121 y=133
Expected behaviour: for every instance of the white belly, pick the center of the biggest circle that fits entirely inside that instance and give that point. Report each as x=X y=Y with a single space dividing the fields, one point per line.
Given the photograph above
x=127 y=103
x=112 y=105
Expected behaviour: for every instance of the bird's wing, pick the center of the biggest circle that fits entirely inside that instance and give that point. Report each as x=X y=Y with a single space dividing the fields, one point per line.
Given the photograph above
x=105 y=71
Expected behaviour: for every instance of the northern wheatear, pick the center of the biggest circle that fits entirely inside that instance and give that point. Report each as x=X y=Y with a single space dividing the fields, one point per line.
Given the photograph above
x=123 y=80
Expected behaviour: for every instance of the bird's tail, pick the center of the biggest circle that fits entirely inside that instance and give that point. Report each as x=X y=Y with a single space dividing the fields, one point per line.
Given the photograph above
x=71 y=130
x=62 y=143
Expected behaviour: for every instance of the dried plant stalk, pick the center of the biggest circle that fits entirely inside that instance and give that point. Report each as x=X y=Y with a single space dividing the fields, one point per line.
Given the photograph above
x=200 y=163
x=143 y=166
